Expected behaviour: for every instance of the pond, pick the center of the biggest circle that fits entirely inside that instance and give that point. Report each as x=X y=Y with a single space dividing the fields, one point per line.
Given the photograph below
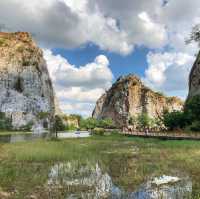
x=91 y=182
x=12 y=138
x=100 y=167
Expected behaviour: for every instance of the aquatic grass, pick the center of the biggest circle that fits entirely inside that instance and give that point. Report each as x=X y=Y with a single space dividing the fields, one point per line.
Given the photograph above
x=4 y=133
x=129 y=161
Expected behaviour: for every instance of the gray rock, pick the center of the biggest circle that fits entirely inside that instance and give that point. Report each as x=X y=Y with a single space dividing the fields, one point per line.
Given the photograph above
x=25 y=86
x=194 y=78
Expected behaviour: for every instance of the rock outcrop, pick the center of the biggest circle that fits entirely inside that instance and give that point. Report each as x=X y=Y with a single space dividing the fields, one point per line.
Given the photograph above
x=194 y=78
x=25 y=86
x=128 y=97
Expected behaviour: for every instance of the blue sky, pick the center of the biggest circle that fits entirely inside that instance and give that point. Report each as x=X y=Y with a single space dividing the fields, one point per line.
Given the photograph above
x=87 y=44
x=134 y=63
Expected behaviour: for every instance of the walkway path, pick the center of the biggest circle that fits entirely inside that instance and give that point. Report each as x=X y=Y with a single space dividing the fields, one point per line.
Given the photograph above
x=164 y=136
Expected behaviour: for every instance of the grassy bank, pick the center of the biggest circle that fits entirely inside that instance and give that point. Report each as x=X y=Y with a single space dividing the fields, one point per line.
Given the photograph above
x=129 y=161
x=3 y=133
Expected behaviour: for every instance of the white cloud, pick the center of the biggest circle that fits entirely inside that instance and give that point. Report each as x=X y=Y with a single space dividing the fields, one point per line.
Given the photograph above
x=78 y=86
x=72 y=23
x=113 y=25
x=169 y=72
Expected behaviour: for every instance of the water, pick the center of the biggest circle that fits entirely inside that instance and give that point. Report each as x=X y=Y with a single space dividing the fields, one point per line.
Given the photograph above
x=21 y=137
x=34 y=136
x=91 y=182
x=76 y=134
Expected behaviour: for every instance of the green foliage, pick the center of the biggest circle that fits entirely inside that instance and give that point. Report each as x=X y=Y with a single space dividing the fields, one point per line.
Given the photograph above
x=3 y=42
x=144 y=121
x=59 y=126
x=5 y=123
x=98 y=131
x=70 y=128
x=27 y=127
x=105 y=123
x=160 y=93
x=42 y=115
x=194 y=35
x=20 y=49
x=192 y=108
x=175 y=120
x=132 y=120
x=195 y=126
x=89 y=123
x=75 y=116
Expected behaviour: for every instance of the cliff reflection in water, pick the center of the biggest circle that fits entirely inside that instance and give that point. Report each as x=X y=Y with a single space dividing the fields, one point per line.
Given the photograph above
x=91 y=182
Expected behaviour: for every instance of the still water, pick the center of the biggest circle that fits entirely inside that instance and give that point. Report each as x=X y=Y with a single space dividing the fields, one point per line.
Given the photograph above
x=91 y=182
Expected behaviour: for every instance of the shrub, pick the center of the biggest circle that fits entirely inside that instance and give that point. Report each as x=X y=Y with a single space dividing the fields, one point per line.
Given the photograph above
x=27 y=127
x=89 y=123
x=195 y=126
x=59 y=125
x=98 y=131
x=70 y=128
x=5 y=123
x=175 y=120
x=42 y=115
x=144 y=121
x=192 y=108
x=105 y=123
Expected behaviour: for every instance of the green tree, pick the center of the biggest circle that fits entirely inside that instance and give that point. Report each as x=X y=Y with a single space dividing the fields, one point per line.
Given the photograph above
x=175 y=120
x=192 y=108
x=5 y=123
x=59 y=126
x=144 y=121
x=194 y=35
x=89 y=123
x=105 y=123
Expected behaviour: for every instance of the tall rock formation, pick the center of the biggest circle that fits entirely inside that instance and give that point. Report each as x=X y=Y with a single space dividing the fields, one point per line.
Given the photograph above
x=128 y=97
x=194 y=78
x=25 y=86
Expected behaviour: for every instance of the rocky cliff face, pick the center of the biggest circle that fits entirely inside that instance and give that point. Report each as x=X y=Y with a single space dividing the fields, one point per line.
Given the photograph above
x=129 y=97
x=194 y=78
x=25 y=86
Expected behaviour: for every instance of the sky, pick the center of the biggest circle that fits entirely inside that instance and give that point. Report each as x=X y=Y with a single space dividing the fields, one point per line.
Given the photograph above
x=88 y=44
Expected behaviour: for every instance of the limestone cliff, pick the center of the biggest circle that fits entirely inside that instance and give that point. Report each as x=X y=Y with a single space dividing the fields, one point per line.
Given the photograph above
x=25 y=86
x=194 y=78
x=129 y=97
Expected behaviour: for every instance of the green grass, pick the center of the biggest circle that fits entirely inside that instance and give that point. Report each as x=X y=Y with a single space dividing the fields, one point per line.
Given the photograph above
x=25 y=166
x=3 y=133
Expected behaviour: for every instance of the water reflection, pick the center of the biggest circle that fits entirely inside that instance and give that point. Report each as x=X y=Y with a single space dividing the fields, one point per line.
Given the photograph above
x=20 y=137
x=89 y=181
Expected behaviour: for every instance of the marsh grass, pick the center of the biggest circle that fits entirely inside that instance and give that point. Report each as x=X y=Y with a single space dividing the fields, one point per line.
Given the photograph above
x=4 y=133
x=129 y=161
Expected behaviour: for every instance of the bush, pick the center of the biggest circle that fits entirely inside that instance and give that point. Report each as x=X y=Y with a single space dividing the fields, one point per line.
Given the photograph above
x=98 y=131
x=27 y=127
x=144 y=121
x=175 y=120
x=70 y=128
x=192 y=108
x=195 y=126
x=5 y=123
x=89 y=123
x=59 y=125
x=105 y=123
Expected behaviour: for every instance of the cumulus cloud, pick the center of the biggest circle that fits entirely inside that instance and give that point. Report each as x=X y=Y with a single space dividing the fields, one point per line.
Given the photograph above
x=117 y=28
x=78 y=85
x=169 y=72
x=113 y=25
